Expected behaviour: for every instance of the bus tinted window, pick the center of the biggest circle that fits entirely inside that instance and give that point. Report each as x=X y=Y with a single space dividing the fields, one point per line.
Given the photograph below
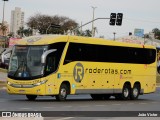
x=104 y=53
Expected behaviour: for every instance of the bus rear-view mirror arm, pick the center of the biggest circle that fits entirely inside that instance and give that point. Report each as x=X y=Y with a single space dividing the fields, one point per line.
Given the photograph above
x=44 y=55
x=4 y=53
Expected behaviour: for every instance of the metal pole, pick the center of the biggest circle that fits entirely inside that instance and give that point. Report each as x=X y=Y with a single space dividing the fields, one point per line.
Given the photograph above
x=81 y=29
x=48 y=28
x=87 y=23
x=144 y=40
x=114 y=35
x=93 y=21
x=3 y=11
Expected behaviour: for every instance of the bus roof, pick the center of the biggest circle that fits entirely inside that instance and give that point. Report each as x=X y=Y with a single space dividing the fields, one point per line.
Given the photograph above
x=43 y=39
x=49 y=39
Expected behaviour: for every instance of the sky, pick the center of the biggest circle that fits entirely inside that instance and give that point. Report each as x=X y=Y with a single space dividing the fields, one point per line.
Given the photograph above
x=141 y=14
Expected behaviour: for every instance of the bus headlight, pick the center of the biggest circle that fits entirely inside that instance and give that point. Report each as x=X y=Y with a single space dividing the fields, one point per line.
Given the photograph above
x=40 y=83
x=9 y=83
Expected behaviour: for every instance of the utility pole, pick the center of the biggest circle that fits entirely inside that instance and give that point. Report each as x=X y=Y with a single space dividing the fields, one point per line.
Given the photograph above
x=93 y=21
x=3 y=10
x=114 y=33
x=81 y=28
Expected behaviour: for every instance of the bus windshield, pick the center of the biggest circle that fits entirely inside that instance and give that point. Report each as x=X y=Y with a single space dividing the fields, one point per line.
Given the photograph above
x=26 y=61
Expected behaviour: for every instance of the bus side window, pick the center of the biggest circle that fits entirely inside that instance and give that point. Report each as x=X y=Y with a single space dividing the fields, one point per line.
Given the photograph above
x=50 y=63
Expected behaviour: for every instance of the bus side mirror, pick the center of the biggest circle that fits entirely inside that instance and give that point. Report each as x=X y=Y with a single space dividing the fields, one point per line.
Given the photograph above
x=6 y=55
x=44 y=55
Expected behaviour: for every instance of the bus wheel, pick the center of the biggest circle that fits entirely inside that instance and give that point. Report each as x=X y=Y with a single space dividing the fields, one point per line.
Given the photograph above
x=126 y=92
x=62 y=93
x=135 y=92
x=31 y=97
x=97 y=96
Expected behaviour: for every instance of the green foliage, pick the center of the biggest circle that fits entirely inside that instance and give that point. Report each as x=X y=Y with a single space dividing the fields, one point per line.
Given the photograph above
x=24 y=32
x=156 y=32
x=42 y=22
x=3 y=28
x=87 y=33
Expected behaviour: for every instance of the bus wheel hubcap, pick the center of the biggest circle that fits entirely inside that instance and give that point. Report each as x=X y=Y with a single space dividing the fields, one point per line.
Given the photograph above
x=135 y=92
x=63 y=92
x=126 y=92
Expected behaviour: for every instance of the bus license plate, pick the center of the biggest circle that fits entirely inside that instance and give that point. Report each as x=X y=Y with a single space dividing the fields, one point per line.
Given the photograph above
x=21 y=91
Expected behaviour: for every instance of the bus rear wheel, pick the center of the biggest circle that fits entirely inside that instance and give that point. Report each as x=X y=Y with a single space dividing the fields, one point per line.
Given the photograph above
x=125 y=95
x=63 y=91
x=31 y=97
x=135 y=92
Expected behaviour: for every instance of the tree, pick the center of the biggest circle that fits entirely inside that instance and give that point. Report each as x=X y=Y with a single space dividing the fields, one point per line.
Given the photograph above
x=156 y=32
x=87 y=33
x=20 y=32
x=24 y=32
x=42 y=22
x=27 y=32
x=3 y=28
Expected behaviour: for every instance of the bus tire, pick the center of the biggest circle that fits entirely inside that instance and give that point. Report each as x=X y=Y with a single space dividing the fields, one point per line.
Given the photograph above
x=63 y=91
x=125 y=92
x=135 y=92
x=125 y=95
x=97 y=96
x=31 y=97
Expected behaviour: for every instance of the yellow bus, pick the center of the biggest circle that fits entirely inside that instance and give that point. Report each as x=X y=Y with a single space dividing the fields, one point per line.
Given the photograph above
x=59 y=65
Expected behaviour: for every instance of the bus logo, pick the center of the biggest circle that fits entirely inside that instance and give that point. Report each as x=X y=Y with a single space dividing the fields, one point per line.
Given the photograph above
x=78 y=72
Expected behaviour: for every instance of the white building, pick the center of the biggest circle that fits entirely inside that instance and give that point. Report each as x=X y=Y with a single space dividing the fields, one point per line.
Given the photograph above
x=17 y=20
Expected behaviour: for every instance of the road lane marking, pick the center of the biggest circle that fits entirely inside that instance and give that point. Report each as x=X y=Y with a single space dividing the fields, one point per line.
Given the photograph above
x=66 y=118
x=116 y=104
x=48 y=107
x=154 y=102
x=25 y=108
x=84 y=106
x=100 y=105
x=130 y=103
x=142 y=103
x=67 y=106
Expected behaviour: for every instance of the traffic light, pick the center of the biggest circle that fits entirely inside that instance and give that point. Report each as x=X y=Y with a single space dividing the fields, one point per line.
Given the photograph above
x=112 y=19
x=119 y=19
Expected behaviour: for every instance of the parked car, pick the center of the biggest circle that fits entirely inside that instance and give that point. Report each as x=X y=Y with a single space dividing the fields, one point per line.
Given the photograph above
x=4 y=58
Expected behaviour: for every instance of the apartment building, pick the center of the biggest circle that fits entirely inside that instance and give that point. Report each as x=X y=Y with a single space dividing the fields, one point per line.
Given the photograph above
x=17 y=20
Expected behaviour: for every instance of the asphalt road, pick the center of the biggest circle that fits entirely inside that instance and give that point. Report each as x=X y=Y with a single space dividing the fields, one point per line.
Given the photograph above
x=149 y=103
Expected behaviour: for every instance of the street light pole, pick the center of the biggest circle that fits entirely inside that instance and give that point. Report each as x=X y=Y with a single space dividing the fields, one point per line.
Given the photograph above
x=86 y=24
x=3 y=10
x=114 y=33
x=93 y=21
